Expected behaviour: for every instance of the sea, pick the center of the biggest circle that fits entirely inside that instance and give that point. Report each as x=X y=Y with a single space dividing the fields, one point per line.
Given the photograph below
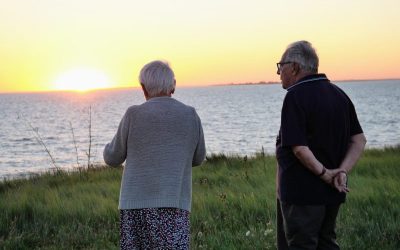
x=65 y=130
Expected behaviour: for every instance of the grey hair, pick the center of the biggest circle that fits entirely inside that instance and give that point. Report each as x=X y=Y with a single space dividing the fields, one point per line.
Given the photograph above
x=303 y=53
x=158 y=78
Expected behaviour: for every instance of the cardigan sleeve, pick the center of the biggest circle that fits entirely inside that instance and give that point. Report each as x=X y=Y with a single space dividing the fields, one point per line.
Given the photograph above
x=200 y=151
x=115 y=152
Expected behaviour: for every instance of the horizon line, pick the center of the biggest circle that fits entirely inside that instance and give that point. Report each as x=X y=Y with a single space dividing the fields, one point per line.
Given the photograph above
x=191 y=86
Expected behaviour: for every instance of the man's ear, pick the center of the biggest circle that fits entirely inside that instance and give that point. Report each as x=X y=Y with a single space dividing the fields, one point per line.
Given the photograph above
x=296 y=69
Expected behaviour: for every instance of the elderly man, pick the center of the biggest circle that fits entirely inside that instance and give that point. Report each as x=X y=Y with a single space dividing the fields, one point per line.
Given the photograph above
x=160 y=140
x=319 y=142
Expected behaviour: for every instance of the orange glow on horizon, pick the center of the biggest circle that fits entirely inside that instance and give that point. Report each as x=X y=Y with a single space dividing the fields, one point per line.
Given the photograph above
x=206 y=42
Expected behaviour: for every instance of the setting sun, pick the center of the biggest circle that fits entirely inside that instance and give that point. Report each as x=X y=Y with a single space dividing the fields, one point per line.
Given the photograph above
x=82 y=79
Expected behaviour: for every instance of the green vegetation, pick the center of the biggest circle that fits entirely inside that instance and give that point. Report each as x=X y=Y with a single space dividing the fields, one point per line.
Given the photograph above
x=233 y=206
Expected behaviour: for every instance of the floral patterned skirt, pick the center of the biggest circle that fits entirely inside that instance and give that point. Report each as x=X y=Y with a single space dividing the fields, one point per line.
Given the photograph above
x=154 y=228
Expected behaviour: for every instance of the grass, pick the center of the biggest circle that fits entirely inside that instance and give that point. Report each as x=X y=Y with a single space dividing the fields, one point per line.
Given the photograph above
x=233 y=206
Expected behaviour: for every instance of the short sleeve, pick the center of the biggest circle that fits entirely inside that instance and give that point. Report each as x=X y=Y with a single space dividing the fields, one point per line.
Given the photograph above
x=355 y=127
x=293 y=122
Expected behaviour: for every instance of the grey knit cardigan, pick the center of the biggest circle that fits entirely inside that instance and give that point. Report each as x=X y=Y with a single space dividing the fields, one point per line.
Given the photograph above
x=160 y=140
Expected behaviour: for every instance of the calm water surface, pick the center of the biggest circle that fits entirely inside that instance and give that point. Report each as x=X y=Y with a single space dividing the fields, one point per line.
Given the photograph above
x=236 y=120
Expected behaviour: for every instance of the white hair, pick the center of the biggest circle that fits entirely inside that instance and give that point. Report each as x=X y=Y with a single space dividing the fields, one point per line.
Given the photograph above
x=158 y=78
x=303 y=53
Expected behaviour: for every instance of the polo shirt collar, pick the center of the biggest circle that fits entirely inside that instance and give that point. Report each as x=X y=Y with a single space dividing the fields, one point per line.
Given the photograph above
x=309 y=78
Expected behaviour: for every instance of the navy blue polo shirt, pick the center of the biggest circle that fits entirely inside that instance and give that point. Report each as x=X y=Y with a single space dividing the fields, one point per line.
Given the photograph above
x=317 y=114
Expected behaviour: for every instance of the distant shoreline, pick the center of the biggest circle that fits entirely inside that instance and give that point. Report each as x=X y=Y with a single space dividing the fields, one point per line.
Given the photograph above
x=334 y=81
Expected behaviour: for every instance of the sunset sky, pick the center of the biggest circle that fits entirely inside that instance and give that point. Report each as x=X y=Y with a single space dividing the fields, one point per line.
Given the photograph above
x=79 y=44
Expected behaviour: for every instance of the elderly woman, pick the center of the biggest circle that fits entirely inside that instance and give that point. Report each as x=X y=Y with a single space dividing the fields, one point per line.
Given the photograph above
x=160 y=140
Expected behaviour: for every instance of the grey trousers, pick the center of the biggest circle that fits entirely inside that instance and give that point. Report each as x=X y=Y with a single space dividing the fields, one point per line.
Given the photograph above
x=306 y=227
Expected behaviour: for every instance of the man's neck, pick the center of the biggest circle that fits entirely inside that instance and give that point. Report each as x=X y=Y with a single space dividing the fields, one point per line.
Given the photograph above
x=301 y=75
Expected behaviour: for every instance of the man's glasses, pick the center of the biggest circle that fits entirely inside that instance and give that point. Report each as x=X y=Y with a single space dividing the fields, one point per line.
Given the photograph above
x=280 y=64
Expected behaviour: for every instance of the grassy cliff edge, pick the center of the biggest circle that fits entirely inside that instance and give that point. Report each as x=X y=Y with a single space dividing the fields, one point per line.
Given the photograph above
x=233 y=206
